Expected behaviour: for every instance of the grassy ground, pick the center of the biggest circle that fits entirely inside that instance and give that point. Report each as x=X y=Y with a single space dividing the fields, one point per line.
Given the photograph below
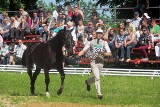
x=117 y=91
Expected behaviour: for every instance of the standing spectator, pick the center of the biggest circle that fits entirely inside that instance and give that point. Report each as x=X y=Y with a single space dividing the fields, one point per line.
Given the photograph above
x=146 y=17
x=55 y=13
x=141 y=6
x=76 y=7
x=70 y=11
x=40 y=11
x=136 y=20
x=95 y=20
x=22 y=13
x=76 y=16
x=119 y=43
x=35 y=24
x=4 y=54
x=14 y=31
x=18 y=52
x=129 y=43
x=145 y=42
x=98 y=49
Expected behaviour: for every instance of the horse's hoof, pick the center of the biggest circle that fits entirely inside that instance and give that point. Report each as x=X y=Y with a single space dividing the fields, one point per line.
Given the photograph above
x=47 y=94
x=59 y=92
x=33 y=94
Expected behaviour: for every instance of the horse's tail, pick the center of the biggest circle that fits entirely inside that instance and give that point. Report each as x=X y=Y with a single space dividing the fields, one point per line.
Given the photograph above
x=24 y=59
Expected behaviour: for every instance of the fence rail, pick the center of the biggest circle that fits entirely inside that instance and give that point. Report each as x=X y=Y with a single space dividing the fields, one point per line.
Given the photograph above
x=86 y=71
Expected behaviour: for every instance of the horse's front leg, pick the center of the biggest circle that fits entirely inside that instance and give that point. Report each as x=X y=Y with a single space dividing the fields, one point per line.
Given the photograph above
x=34 y=77
x=61 y=71
x=47 y=80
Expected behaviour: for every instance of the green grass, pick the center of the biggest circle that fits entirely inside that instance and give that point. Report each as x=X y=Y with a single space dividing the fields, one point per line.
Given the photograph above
x=135 y=91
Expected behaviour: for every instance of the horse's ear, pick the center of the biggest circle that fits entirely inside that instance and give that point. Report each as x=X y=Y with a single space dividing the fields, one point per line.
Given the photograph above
x=64 y=28
x=71 y=30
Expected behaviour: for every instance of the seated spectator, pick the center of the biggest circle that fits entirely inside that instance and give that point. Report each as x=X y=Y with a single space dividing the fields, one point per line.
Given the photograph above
x=129 y=43
x=41 y=11
x=146 y=17
x=88 y=30
x=35 y=23
x=45 y=33
x=80 y=29
x=5 y=16
x=1 y=38
x=70 y=25
x=23 y=29
x=6 y=27
x=60 y=19
x=111 y=43
x=119 y=44
x=18 y=52
x=4 y=54
x=157 y=50
x=48 y=19
x=14 y=31
x=55 y=13
x=154 y=30
x=145 y=42
x=12 y=47
x=67 y=18
x=129 y=24
x=51 y=35
x=41 y=22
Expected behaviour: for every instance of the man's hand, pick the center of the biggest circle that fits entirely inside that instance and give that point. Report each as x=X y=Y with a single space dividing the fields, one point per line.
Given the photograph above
x=77 y=56
x=102 y=53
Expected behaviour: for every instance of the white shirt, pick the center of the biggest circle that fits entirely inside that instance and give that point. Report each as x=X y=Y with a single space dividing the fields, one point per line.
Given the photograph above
x=136 y=22
x=19 y=50
x=55 y=14
x=73 y=33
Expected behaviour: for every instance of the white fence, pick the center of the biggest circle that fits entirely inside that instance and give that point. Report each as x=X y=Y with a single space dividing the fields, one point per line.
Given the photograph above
x=87 y=71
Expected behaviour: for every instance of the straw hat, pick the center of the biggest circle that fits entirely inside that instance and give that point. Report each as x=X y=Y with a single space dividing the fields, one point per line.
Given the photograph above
x=70 y=23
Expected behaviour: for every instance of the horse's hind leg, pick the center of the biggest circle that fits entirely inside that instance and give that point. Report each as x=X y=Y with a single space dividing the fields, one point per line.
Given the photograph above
x=47 y=80
x=61 y=71
x=34 y=77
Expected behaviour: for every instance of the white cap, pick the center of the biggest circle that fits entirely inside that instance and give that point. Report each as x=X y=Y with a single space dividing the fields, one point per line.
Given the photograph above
x=99 y=31
x=128 y=20
x=146 y=14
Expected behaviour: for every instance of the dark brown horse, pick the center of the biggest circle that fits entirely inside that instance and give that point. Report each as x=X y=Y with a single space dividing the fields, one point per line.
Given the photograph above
x=47 y=56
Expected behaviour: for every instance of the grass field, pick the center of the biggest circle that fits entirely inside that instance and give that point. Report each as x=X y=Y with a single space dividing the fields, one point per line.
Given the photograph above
x=117 y=91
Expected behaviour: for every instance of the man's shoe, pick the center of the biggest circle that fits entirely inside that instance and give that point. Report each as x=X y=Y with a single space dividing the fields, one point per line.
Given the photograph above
x=100 y=97
x=88 y=86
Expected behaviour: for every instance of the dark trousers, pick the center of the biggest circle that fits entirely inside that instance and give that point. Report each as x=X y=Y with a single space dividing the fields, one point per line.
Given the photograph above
x=14 y=32
x=143 y=49
x=23 y=33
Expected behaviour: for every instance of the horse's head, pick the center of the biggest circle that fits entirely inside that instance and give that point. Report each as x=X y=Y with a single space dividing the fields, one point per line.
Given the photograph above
x=69 y=42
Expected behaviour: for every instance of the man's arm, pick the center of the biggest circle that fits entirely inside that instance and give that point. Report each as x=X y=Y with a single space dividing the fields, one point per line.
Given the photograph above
x=147 y=4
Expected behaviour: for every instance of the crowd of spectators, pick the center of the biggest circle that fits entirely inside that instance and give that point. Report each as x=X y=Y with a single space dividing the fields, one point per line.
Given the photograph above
x=45 y=24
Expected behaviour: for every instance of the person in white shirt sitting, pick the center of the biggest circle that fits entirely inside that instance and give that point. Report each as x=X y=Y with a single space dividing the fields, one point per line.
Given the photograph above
x=18 y=53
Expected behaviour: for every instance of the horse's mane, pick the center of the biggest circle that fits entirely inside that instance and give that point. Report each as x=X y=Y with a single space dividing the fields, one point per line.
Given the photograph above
x=60 y=34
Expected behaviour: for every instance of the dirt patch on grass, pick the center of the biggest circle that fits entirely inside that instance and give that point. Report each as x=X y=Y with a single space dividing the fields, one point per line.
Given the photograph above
x=55 y=104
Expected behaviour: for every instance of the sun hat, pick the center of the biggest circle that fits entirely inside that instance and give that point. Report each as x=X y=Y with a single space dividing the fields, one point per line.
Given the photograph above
x=70 y=23
x=146 y=15
x=99 y=31
x=128 y=20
